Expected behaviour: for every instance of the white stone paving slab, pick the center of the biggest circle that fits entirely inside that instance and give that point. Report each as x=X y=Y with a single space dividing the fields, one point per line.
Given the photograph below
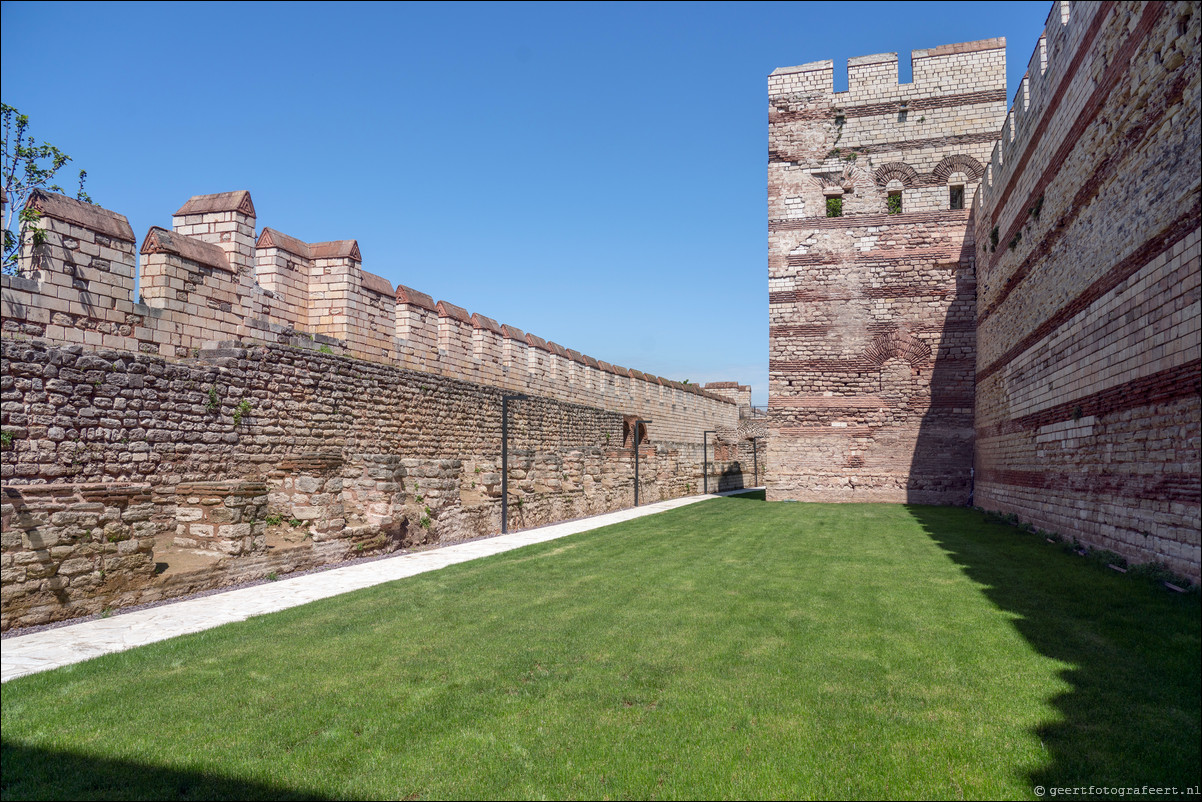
x=51 y=648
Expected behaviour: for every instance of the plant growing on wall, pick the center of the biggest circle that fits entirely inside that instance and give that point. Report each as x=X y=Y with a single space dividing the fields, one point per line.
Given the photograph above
x=27 y=165
x=241 y=411
x=834 y=207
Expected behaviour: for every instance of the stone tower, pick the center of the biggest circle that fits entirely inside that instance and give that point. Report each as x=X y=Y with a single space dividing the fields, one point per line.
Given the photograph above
x=871 y=273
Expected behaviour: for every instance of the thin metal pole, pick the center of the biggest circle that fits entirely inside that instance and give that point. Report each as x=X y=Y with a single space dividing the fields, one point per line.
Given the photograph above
x=705 y=463
x=505 y=399
x=504 y=464
x=636 y=463
x=755 y=456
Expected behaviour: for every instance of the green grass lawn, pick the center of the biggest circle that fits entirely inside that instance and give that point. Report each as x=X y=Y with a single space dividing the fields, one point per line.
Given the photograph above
x=732 y=649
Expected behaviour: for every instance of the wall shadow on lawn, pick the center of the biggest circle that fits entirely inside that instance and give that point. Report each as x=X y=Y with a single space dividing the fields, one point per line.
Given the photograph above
x=31 y=773
x=1132 y=716
x=750 y=495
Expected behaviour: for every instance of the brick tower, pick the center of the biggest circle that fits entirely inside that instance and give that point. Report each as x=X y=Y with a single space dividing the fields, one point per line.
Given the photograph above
x=871 y=273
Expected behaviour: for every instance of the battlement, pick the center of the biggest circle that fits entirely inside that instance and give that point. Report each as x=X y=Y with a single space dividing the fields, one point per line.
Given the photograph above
x=960 y=68
x=210 y=281
x=1069 y=30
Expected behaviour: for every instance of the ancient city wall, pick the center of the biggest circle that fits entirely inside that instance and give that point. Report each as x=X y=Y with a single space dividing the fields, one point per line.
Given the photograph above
x=268 y=405
x=871 y=273
x=1087 y=236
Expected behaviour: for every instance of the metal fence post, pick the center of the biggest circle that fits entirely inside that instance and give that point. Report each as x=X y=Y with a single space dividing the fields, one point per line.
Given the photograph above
x=755 y=456
x=705 y=464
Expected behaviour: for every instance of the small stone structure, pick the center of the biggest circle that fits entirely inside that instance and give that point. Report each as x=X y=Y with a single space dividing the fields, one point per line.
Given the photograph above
x=221 y=516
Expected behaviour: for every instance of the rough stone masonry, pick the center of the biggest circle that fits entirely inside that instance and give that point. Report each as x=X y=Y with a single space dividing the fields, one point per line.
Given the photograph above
x=268 y=405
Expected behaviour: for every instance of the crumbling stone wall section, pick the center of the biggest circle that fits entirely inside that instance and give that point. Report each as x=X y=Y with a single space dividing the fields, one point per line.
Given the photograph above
x=67 y=544
x=1087 y=236
x=871 y=273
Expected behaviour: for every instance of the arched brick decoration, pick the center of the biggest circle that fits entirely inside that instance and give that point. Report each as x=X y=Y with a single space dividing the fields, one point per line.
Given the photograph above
x=899 y=171
x=958 y=163
x=898 y=344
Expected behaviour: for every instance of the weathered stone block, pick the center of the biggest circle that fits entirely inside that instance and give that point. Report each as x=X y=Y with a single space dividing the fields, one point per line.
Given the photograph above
x=77 y=565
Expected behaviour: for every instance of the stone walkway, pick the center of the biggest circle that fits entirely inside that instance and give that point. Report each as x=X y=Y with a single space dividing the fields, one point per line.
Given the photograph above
x=51 y=648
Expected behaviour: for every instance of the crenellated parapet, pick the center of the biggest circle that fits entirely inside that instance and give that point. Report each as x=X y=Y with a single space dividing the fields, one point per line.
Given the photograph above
x=1058 y=57
x=83 y=270
x=870 y=79
x=884 y=147
x=210 y=280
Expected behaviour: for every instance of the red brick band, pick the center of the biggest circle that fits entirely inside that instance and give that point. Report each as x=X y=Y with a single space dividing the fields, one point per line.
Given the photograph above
x=1178 y=230
x=1166 y=386
x=922 y=256
x=876 y=109
x=956 y=216
x=821 y=329
x=939 y=142
x=894 y=291
x=852 y=365
x=1180 y=488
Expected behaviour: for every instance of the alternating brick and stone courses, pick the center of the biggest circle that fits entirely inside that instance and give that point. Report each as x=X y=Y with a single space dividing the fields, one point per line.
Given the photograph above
x=1088 y=365
x=871 y=273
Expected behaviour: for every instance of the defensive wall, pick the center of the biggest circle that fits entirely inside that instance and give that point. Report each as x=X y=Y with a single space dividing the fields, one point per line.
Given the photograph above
x=1087 y=224
x=267 y=404
x=871 y=278
x=1057 y=317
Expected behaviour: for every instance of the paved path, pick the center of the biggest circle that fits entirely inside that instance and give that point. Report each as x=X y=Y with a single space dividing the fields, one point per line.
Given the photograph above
x=51 y=648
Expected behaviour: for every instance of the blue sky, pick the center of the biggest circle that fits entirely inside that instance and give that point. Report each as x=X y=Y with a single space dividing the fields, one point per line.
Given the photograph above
x=594 y=174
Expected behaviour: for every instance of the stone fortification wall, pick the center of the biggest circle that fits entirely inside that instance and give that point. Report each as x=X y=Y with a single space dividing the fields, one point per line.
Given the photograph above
x=275 y=406
x=746 y=443
x=210 y=281
x=871 y=273
x=1087 y=235
x=270 y=458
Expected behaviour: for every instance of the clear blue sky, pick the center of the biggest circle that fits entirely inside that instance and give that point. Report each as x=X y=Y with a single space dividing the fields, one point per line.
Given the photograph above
x=592 y=173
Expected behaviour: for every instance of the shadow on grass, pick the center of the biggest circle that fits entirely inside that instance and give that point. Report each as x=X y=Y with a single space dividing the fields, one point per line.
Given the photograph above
x=751 y=495
x=44 y=774
x=1133 y=649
